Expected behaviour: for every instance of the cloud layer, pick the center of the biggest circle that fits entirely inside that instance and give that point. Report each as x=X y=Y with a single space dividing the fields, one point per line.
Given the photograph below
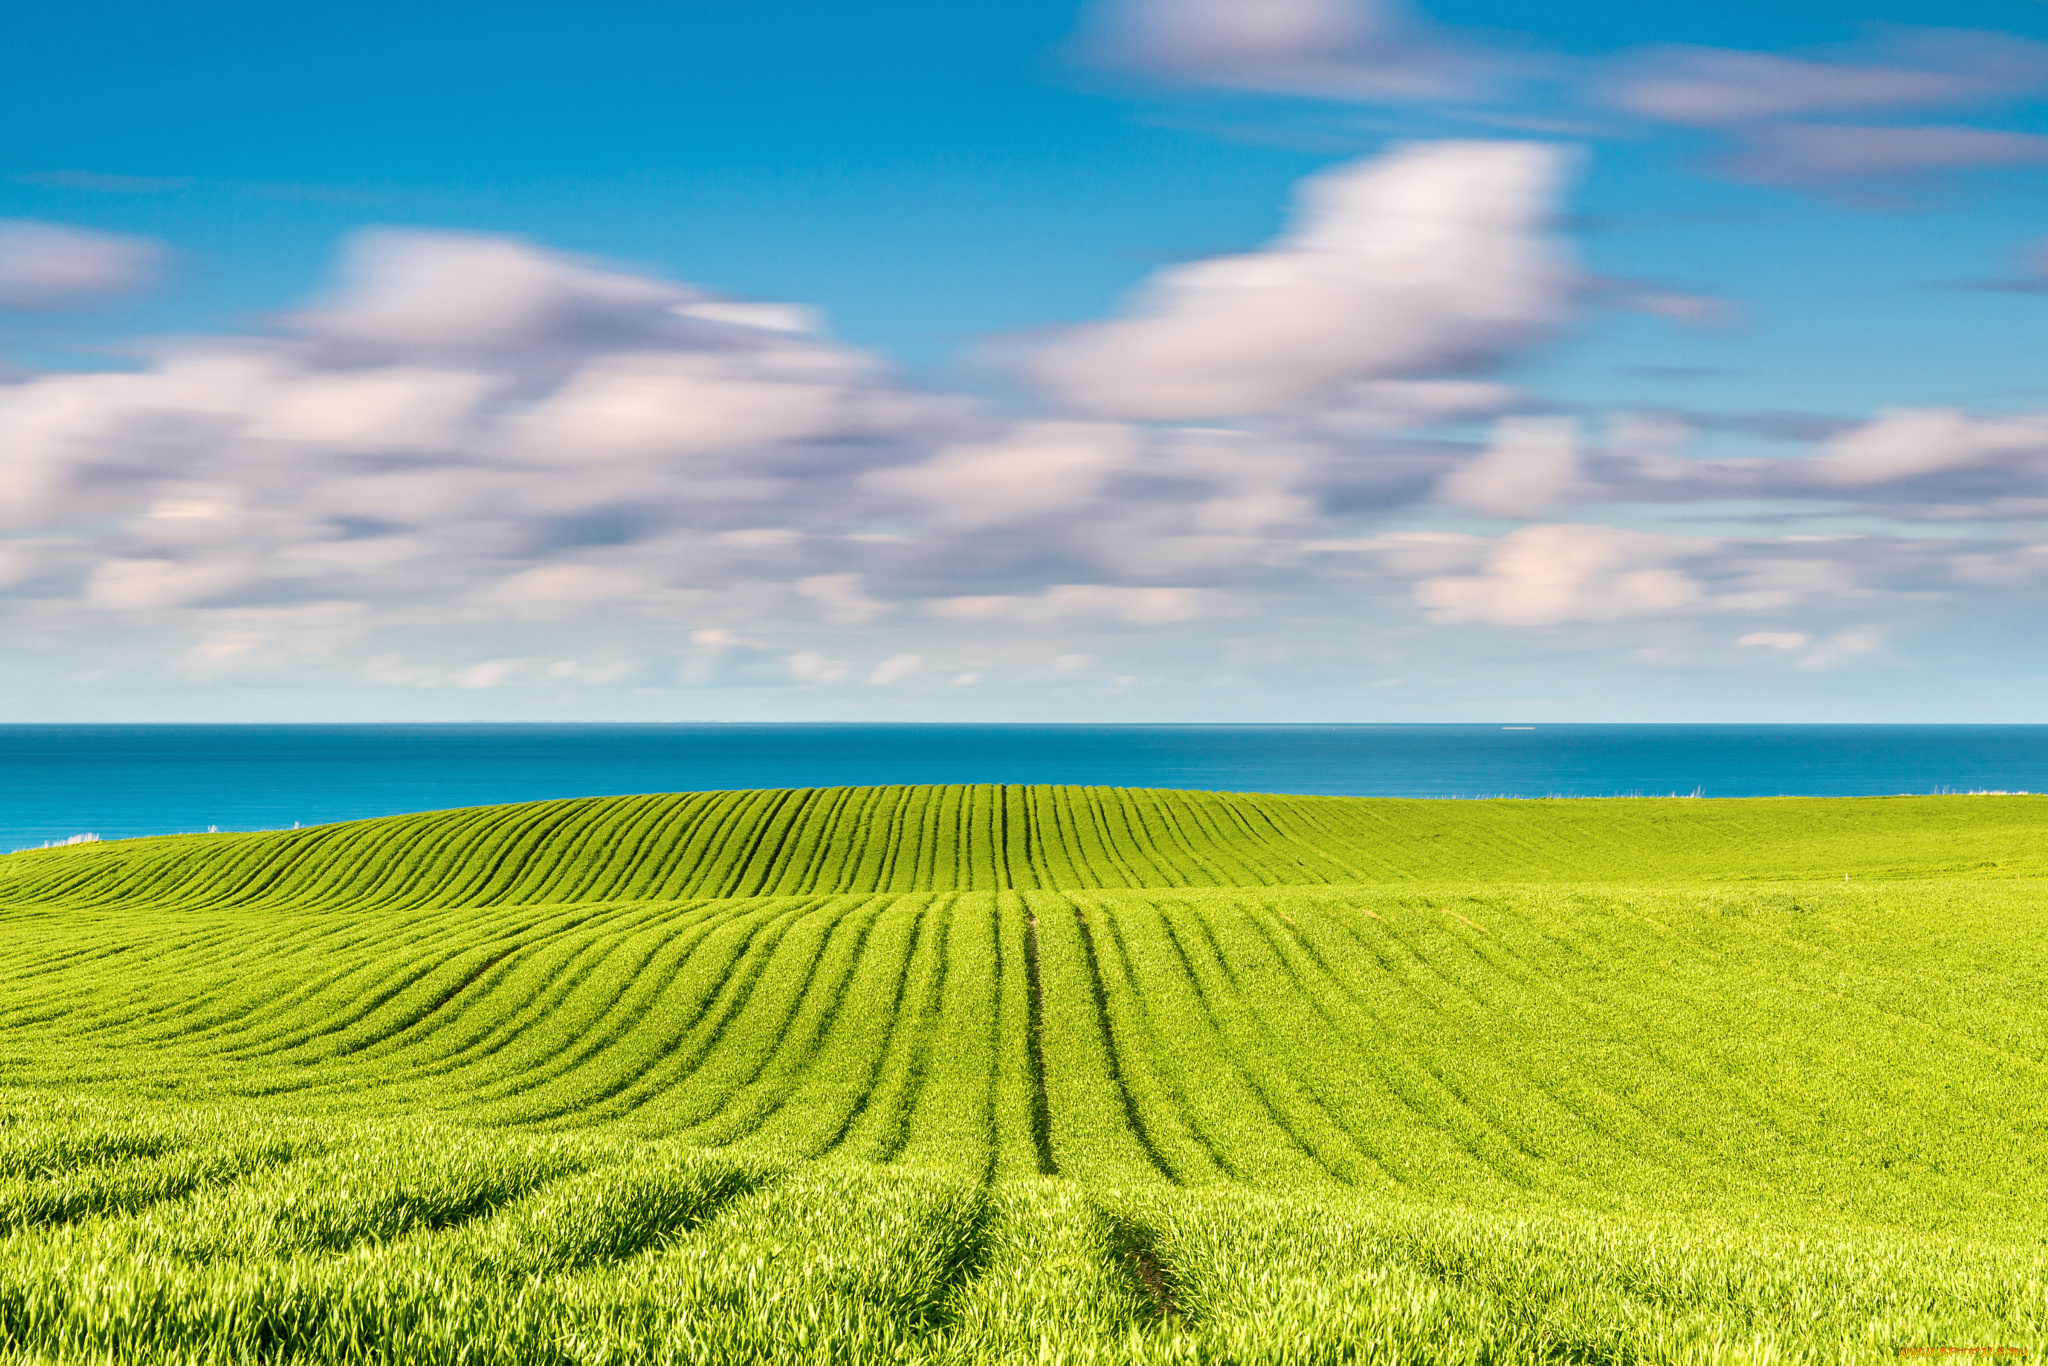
x=1431 y=260
x=1873 y=113
x=473 y=463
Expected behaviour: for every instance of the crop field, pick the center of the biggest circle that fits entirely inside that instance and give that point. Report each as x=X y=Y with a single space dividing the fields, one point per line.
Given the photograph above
x=1034 y=1075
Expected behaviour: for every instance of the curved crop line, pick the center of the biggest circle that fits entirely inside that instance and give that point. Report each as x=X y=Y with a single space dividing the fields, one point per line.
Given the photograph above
x=824 y=851
x=617 y=929
x=561 y=868
x=1563 y=1104
x=1239 y=1047
x=532 y=984
x=698 y=1037
x=878 y=1059
x=733 y=883
x=877 y=869
x=708 y=835
x=1170 y=1042
x=618 y=1000
x=377 y=974
x=323 y=1018
x=283 y=1015
x=924 y=1020
x=1093 y=849
x=1041 y=1108
x=1290 y=949
x=780 y=1039
x=1110 y=1048
x=1695 y=1066
x=634 y=991
x=805 y=1039
x=1171 y=1061
x=1250 y=1035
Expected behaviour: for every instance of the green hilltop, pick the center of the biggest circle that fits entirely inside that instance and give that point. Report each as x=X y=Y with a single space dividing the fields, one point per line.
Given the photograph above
x=1033 y=1074
x=1015 y=838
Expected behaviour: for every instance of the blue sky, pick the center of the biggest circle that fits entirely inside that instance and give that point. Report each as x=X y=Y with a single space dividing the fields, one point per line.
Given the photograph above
x=1148 y=359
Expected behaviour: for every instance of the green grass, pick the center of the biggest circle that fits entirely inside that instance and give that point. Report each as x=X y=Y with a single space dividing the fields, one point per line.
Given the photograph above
x=1034 y=1075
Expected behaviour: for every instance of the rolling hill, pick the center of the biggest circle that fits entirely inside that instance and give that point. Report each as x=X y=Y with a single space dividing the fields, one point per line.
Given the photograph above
x=1033 y=1074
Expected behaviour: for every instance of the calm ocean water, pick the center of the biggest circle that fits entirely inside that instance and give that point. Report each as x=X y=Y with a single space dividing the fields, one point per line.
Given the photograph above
x=115 y=781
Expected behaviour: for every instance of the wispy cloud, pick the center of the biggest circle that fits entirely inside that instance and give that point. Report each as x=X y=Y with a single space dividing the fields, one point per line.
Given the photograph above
x=1366 y=50
x=48 y=266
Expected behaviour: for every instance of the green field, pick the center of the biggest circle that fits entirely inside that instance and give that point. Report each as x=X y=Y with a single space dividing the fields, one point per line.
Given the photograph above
x=1033 y=1074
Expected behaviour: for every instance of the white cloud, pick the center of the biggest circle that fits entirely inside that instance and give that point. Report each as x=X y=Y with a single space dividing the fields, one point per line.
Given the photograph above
x=1140 y=606
x=488 y=491
x=489 y=673
x=1843 y=646
x=1038 y=468
x=1368 y=50
x=389 y=408
x=1531 y=464
x=1776 y=640
x=841 y=597
x=808 y=666
x=1916 y=70
x=559 y=584
x=1768 y=103
x=642 y=406
x=1910 y=443
x=1416 y=554
x=1544 y=575
x=895 y=669
x=1817 y=154
x=1392 y=405
x=469 y=292
x=470 y=421
x=722 y=638
x=48 y=266
x=124 y=585
x=1429 y=260
x=747 y=313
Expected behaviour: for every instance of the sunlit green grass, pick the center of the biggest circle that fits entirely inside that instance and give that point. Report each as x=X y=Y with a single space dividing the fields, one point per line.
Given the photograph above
x=1033 y=1074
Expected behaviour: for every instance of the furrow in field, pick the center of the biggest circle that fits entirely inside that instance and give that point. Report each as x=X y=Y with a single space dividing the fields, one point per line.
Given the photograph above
x=1416 y=1128
x=699 y=851
x=769 y=1048
x=352 y=1012
x=1098 y=856
x=712 y=993
x=442 y=1031
x=1475 y=1052
x=1236 y=1120
x=250 y=1012
x=950 y=1114
x=1096 y=1131
x=792 y=1099
x=562 y=869
x=1231 y=979
x=576 y=1066
x=866 y=1021
x=887 y=1125
x=1703 y=1041
x=514 y=1021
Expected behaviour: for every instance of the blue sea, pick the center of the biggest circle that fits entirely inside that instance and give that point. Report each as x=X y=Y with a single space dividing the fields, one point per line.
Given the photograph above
x=57 y=782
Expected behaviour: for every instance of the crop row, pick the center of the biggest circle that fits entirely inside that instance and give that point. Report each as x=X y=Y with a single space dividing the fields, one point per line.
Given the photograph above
x=1501 y=1046
x=434 y=1245
x=840 y=841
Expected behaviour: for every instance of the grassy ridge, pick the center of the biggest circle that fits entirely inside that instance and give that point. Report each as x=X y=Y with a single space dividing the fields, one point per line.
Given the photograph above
x=1033 y=1074
x=839 y=841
